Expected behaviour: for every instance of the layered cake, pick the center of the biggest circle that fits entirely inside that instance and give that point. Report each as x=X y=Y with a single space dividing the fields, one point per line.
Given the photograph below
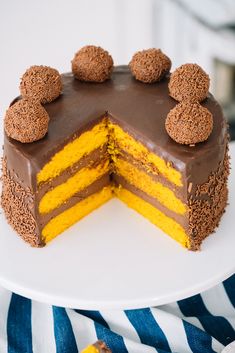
x=156 y=141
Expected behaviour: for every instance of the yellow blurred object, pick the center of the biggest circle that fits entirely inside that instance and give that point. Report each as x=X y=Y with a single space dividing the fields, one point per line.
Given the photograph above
x=90 y=349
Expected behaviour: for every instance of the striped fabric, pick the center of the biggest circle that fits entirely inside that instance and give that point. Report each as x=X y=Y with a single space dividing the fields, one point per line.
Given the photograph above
x=204 y=323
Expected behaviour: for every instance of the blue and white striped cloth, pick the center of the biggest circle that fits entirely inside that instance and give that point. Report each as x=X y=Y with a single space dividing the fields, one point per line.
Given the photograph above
x=204 y=323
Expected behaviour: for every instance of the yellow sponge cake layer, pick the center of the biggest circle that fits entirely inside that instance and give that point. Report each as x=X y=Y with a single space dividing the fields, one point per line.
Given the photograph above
x=115 y=140
x=167 y=224
x=79 y=181
x=136 y=149
x=144 y=182
x=67 y=218
x=73 y=151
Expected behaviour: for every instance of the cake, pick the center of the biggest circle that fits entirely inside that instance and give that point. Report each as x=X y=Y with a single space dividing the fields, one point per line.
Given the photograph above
x=97 y=347
x=157 y=141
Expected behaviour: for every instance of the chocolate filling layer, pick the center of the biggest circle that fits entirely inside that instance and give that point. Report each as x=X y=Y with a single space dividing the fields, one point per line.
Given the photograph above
x=119 y=180
x=79 y=196
x=180 y=192
x=91 y=160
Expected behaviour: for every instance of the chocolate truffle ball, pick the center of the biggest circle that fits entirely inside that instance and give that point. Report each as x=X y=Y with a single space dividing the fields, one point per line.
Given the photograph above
x=149 y=65
x=92 y=64
x=189 y=82
x=41 y=82
x=26 y=121
x=189 y=123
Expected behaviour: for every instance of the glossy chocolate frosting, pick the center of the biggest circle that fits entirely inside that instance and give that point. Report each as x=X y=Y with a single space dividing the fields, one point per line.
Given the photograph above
x=140 y=109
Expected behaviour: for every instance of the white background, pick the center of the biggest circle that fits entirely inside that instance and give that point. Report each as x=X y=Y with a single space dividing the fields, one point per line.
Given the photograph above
x=49 y=32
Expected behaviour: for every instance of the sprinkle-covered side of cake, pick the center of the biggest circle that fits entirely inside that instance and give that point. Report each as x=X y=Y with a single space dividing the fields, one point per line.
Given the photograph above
x=158 y=142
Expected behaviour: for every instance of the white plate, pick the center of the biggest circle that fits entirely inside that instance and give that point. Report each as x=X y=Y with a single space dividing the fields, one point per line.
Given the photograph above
x=115 y=258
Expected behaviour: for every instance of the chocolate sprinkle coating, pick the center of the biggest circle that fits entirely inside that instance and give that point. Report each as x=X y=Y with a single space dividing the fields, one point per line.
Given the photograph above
x=189 y=123
x=92 y=64
x=26 y=121
x=17 y=203
x=150 y=65
x=41 y=82
x=189 y=82
x=207 y=205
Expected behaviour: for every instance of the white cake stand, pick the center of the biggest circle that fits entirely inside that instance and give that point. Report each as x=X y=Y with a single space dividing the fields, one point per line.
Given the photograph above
x=116 y=259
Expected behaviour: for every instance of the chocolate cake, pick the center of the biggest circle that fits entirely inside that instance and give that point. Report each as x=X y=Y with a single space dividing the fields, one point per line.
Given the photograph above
x=110 y=134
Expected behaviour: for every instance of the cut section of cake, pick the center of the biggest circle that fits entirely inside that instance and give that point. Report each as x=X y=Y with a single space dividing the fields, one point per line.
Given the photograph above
x=107 y=140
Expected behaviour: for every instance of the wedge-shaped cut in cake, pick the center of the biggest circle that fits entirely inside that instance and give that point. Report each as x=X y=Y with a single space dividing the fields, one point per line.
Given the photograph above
x=107 y=140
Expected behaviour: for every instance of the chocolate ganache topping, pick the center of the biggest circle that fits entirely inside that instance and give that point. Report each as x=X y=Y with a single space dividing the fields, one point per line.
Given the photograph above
x=140 y=109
